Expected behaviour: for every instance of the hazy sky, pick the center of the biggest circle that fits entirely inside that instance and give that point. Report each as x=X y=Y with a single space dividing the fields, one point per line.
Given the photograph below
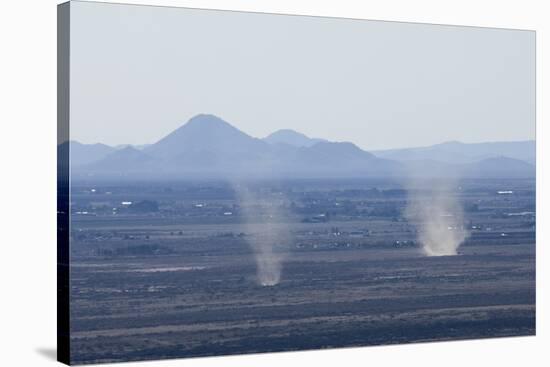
x=139 y=72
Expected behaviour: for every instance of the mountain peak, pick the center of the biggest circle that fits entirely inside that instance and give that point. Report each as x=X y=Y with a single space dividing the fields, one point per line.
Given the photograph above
x=206 y=125
x=291 y=137
x=129 y=149
x=203 y=133
x=206 y=120
x=286 y=133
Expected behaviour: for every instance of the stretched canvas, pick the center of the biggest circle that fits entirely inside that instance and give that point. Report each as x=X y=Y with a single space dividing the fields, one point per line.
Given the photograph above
x=233 y=182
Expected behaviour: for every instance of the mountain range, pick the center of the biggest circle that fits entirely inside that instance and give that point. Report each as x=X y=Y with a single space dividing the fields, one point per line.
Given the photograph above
x=457 y=152
x=209 y=147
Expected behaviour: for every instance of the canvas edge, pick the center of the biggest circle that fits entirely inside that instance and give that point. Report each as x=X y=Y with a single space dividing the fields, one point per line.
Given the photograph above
x=63 y=181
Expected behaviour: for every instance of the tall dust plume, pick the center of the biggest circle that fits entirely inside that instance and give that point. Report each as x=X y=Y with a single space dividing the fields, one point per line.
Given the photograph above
x=267 y=233
x=434 y=207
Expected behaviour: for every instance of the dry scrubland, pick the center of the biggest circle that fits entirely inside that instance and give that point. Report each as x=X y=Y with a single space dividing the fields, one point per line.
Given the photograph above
x=178 y=272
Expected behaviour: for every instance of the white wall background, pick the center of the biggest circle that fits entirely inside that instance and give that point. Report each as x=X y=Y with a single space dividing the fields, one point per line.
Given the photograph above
x=27 y=184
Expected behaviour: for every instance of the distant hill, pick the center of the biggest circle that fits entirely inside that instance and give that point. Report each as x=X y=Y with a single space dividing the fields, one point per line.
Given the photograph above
x=125 y=160
x=82 y=154
x=457 y=152
x=291 y=137
x=138 y=147
x=209 y=147
x=205 y=133
x=499 y=167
